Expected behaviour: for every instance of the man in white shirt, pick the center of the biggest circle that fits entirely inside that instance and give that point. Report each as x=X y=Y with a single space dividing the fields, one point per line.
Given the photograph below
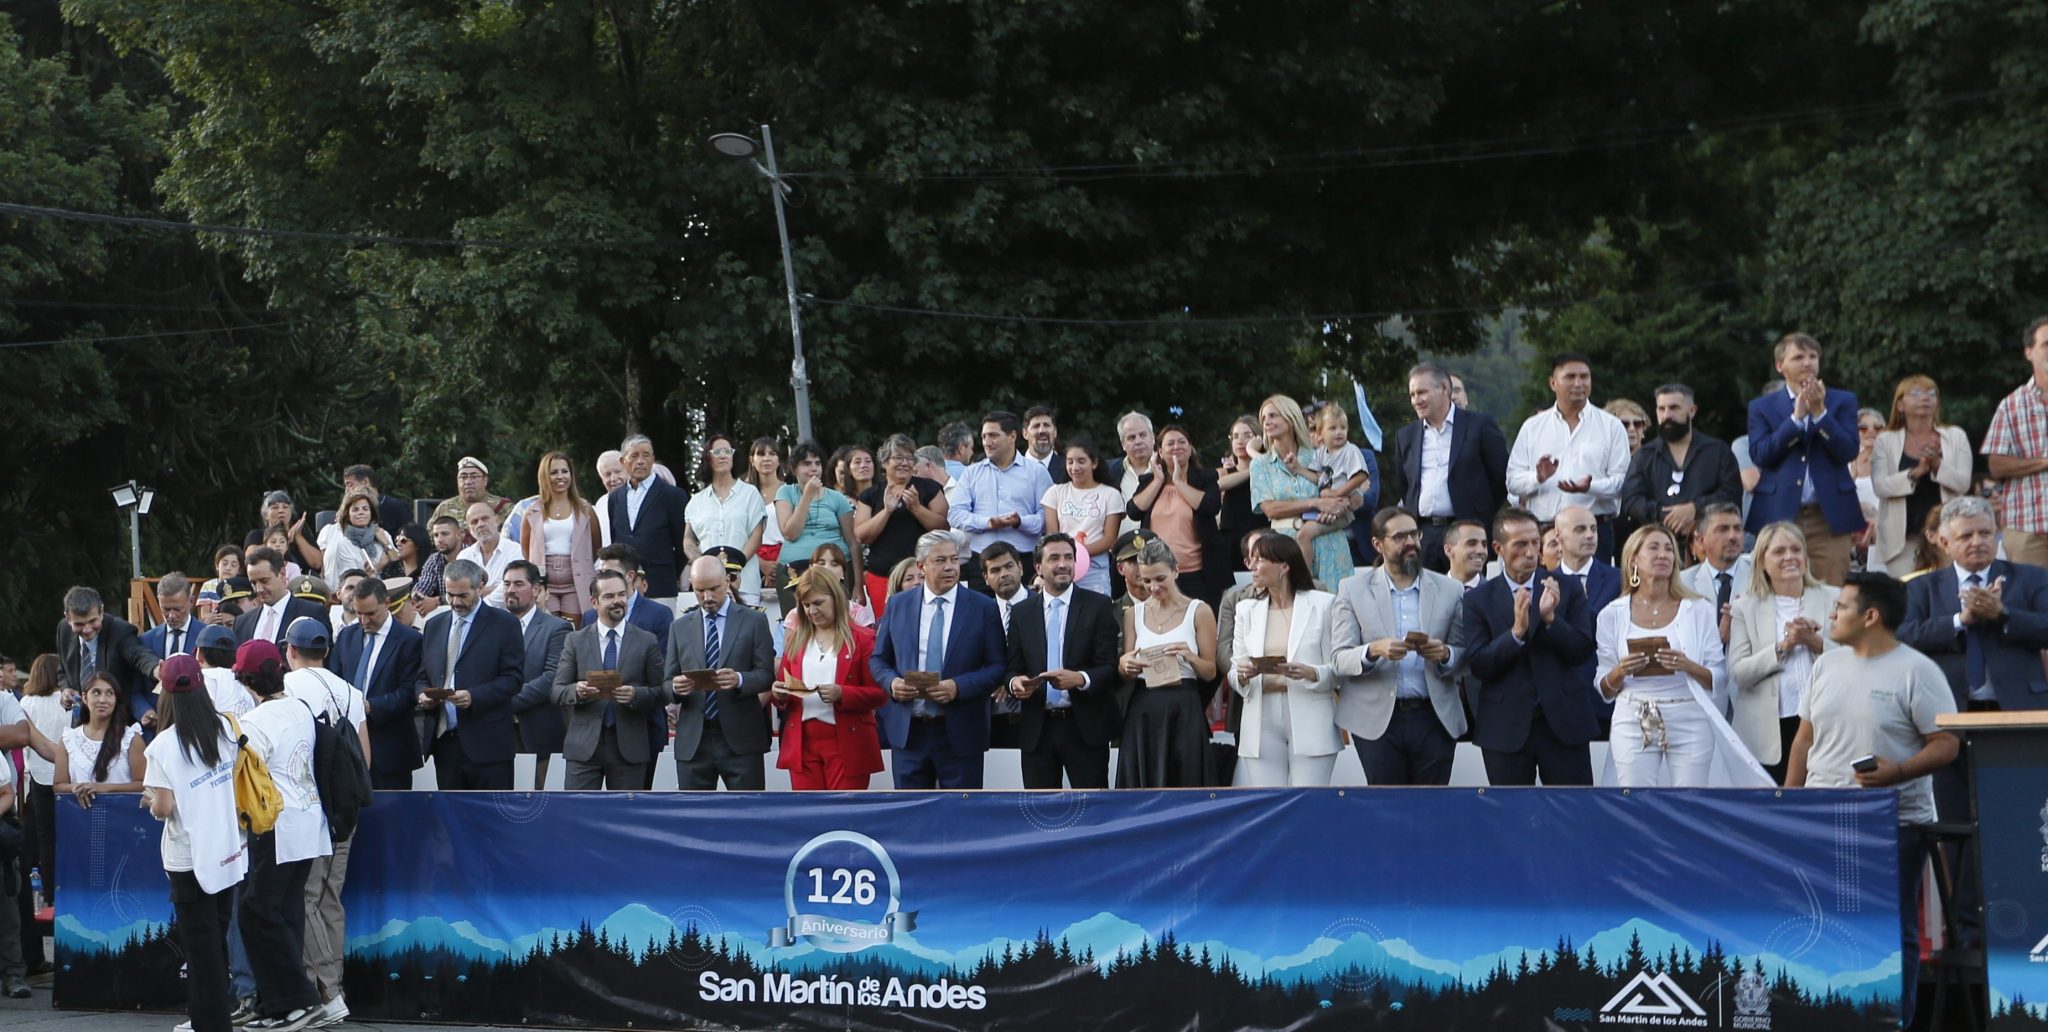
x=490 y=551
x=326 y=694
x=611 y=472
x=1465 y=550
x=1572 y=453
x=1723 y=571
x=1134 y=432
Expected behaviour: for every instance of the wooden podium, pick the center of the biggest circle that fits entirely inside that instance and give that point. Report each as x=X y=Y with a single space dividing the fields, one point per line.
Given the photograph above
x=2008 y=754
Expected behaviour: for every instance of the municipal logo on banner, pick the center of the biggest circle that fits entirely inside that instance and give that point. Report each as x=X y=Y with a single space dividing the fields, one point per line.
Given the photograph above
x=1653 y=999
x=2044 y=838
x=1752 y=1003
x=2039 y=954
x=842 y=896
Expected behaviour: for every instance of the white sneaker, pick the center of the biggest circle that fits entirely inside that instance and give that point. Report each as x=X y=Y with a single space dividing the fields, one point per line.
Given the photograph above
x=182 y=1026
x=333 y=1012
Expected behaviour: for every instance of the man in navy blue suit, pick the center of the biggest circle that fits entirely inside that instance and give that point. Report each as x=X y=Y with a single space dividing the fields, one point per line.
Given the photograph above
x=1453 y=462
x=477 y=652
x=381 y=657
x=1578 y=532
x=1802 y=440
x=1528 y=634
x=939 y=732
x=179 y=633
x=646 y=512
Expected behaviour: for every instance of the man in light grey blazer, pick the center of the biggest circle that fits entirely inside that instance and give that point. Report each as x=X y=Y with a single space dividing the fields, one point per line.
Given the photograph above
x=721 y=726
x=607 y=745
x=1400 y=700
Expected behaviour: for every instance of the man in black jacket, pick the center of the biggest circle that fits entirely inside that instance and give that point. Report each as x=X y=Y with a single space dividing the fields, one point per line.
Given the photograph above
x=1681 y=472
x=1064 y=672
x=90 y=641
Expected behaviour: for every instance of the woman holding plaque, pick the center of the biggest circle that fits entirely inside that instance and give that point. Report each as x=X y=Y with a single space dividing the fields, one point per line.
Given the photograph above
x=827 y=697
x=1170 y=642
x=1283 y=636
x=1660 y=660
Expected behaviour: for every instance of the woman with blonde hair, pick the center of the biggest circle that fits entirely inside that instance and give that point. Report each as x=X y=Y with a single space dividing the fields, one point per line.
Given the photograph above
x=823 y=687
x=1916 y=464
x=1660 y=661
x=560 y=535
x=1287 y=486
x=1775 y=632
x=902 y=577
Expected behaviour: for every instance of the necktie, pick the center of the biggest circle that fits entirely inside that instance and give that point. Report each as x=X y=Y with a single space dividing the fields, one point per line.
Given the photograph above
x=934 y=652
x=1581 y=578
x=455 y=638
x=610 y=662
x=1973 y=647
x=1006 y=614
x=1055 y=648
x=88 y=664
x=1724 y=587
x=363 y=667
x=269 y=630
x=710 y=663
x=177 y=642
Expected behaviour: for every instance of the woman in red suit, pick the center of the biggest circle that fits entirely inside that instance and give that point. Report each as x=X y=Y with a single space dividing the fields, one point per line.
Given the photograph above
x=828 y=732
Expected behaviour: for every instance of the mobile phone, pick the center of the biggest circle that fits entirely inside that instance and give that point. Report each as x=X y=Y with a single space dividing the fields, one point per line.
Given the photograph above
x=1865 y=765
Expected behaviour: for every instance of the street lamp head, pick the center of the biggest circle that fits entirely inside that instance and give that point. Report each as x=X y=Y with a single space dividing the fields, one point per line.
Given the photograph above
x=148 y=496
x=125 y=495
x=734 y=145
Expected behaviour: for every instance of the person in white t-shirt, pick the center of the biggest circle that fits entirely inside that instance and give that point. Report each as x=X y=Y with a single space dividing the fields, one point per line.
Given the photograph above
x=13 y=970
x=280 y=730
x=329 y=696
x=190 y=786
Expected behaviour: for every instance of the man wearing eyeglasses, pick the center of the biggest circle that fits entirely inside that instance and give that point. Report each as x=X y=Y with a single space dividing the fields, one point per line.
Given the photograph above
x=1681 y=471
x=1398 y=637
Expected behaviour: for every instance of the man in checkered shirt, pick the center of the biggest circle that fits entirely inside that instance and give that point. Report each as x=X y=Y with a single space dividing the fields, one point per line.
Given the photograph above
x=2016 y=448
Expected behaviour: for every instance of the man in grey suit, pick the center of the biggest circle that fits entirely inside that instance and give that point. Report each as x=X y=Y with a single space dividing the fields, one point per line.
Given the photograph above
x=533 y=709
x=1398 y=630
x=599 y=755
x=721 y=726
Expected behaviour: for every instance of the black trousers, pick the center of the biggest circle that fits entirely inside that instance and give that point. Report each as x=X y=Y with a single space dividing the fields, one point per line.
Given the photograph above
x=1414 y=750
x=1545 y=754
x=1787 y=727
x=453 y=769
x=203 y=934
x=391 y=781
x=1433 y=557
x=717 y=761
x=1062 y=754
x=41 y=830
x=273 y=926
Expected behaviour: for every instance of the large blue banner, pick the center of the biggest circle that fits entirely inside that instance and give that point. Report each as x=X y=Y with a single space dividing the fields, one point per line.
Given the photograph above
x=1411 y=908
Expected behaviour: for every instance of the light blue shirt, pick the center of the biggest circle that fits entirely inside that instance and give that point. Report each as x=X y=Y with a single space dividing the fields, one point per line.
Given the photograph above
x=1408 y=617
x=635 y=494
x=987 y=492
x=1804 y=423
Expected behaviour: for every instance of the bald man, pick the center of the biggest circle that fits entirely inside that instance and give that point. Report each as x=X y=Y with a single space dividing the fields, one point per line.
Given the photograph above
x=1578 y=535
x=721 y=659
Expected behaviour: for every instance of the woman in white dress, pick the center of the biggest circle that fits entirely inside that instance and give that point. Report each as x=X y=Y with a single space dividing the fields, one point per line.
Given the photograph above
x=1288 y=733
x=726 y=511
x=1667 y=722
x=104 y=753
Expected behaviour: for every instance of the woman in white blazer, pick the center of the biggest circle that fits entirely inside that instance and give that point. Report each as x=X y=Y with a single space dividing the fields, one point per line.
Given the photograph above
x=1916 y=465
x=1776 y=630
x=1288 y=734
x=1664 y=731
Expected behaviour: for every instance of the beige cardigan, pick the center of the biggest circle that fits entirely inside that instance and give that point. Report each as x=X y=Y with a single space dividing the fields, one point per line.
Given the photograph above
x=1754 y=668
x=1893 y=486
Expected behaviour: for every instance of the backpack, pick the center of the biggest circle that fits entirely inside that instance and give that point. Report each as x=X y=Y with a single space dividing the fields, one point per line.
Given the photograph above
x=339 y=771
x=256 y=799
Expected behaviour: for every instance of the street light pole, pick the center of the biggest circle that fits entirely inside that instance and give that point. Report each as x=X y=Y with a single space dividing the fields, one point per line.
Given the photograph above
x=799 y=377
x=135 y=539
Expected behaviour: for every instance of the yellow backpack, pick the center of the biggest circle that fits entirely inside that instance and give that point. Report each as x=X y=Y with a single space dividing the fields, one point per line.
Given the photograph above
x=256 y=797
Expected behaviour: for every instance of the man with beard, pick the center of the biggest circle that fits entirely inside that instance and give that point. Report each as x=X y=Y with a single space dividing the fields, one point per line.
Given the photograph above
x=446 y=533
x=1683 y=471
x=1398 y=646
x=1062 y=661
x=1041 y=435
x=606 y=746
x=1723 y=571
x=539 y=719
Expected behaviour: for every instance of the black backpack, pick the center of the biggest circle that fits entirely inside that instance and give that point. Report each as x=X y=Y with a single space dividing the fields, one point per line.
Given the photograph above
x=340 y=772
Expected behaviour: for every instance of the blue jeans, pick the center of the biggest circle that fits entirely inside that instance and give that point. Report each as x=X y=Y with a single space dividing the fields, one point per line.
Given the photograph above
x=240 y=979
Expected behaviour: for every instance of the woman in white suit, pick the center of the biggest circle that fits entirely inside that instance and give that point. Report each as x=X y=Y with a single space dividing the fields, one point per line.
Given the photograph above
x=1664 y=732
x=1917 y=464
x=1288 y=734
x=1776 y=630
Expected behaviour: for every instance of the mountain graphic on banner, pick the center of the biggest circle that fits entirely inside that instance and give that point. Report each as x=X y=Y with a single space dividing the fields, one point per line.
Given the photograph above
x=635 y=926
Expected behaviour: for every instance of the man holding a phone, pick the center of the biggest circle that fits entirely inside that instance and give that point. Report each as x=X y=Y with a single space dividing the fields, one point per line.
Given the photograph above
x=1868 y=719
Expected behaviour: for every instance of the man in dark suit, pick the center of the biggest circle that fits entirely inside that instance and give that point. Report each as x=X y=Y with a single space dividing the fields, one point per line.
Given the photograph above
x=381 y=657
x=1578 y=540
x=721 y=727
x=1679 y=472
x=92 y=641
x=939 y=733
x=1984 y=621
x=179 y=633
x=646 y=512
x=603 y=744
x=1802 y=440
x=539 y=718
x=645 y=613
x=475 y=651
x=274 y=606
x=1062 y=663
x=1527 y=634
x=1041 y=440
x=1453 y=461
